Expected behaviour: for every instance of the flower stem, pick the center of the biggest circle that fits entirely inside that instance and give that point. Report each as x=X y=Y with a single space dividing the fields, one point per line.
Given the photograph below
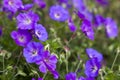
x=66 y=62
x=101 y=74
x=118 y=51
x=78 y=65
x=44 y=76
x=3 y=68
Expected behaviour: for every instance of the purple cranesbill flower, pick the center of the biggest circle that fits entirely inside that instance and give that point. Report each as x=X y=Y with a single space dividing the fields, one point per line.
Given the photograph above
x=92 y=67
x=71 y=76
x=48 y=62
x=81 y=78
x=80 y=15
x=0 y=31
x=37 y=79
x=83 y=12
x=65 y=3
x=55 y=74
x=79 y=5
x=40 y=3
x=12 y=5
x=92 y=53
x=71 y=25
x=21 y=37
x=111 y=28
x=58 y=13
x=26 y=7
x=99 y=20
x=27 y=20
x=41 y=32
x=87 y=29
x=8 y=13
x=33 y=51
x=88 y=78
x=102 y=2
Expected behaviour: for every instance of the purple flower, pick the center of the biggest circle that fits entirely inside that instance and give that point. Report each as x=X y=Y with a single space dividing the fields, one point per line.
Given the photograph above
x=41 y=32
x=40 y=3
x=58 y=13
x=79 y=5
x=26 y=7
x=92 y=53
x=99 y=20
x=0 y=31
x=92 y=67
x=102 y=2
x=81 y=78
x=71 y=76
x=111 y=28
x=71 y=25
x=38 y=78
x=12 y=5
x=87 y=29
x=27 y=20
x=88 y=78
x=48 y=62
x=55 y=74
x=80 y=15
x=21 y=37
x=65 y=3
x=83 y=12
x=33 y=51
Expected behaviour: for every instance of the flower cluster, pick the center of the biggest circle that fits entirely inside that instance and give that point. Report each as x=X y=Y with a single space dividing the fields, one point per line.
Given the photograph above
x=28 y=28
x=92 y=66
x=60 y=13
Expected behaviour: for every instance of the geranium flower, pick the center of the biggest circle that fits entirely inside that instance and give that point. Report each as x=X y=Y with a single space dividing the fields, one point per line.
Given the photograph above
x=87 y=29
x=41 y=32
x=58 y=13
x=21 y=37
x=40 y=3
x=37 y=79
x=48 y=63
x=12 y=5
x=92 y=67
x=111 y=28
x=27 y=20
x=71 y=25
x=71 y=76
x=33 y=51
x=92 y=53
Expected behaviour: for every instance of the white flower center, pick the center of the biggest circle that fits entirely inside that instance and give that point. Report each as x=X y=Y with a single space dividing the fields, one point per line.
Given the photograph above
x=21 y=38
x=28 y=21
x=34 y=52
x=10 y=2
x=38 y=33
x=94 y=69
x=57 y=15
x=108 y=28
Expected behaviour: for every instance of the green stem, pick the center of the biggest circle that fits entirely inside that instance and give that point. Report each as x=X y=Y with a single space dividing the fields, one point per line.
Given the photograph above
x=78 y=66
x=101 y=75
x=16 y=65
x=118 y=51
x=3 y=68
x=44 y=76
